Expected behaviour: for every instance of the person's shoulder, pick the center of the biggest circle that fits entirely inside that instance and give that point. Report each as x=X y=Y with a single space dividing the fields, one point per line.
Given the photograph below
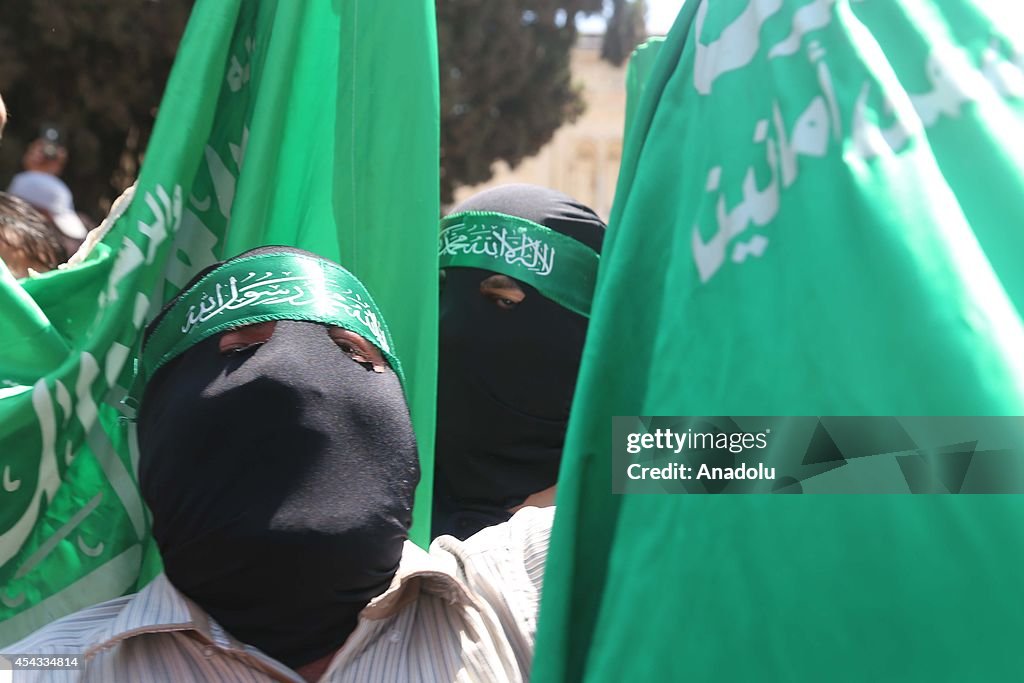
x=516 y=549
x=530 y=525
x=528 y=528
x=502 y=567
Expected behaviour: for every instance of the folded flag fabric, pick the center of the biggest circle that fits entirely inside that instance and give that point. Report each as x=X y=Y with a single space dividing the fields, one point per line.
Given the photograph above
x=819 y=212
x=306 y=124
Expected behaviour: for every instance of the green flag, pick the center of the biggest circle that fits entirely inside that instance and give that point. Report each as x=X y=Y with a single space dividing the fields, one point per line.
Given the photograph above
x=312 y=124
x=638 y=73
x=819 y=212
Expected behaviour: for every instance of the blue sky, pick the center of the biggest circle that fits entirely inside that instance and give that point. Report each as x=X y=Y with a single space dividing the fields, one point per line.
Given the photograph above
x=660 y=15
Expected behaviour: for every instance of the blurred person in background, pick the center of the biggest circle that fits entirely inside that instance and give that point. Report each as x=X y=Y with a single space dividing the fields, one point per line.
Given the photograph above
x=46 y=154
x=518 y=265
x=28 y=239
x=40 y=185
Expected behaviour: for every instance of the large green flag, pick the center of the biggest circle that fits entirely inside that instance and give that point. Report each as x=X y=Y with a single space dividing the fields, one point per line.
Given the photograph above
x=820 y=212
x=313 y=124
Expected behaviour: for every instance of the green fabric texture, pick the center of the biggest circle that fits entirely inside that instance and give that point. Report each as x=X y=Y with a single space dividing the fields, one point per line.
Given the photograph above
x=279 y=125
x=556 y=265
x=638 y=73
x=262 y=288
x=818 y=213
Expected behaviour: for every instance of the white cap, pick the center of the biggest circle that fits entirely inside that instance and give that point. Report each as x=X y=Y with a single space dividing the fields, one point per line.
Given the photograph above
x=49 y=193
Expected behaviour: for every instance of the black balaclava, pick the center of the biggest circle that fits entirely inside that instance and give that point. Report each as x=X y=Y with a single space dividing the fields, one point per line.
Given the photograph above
x=505 y=377
x=281 y=481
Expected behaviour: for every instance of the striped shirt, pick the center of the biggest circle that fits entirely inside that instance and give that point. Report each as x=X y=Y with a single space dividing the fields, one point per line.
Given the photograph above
x=465 y=611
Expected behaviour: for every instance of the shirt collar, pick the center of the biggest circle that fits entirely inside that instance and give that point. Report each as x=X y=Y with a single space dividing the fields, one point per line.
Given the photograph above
x=418 y=571
x=160 y=607
x=157 y=607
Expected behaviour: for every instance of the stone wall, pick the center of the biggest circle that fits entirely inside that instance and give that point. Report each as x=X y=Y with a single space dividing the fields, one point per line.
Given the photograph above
x=582 y=159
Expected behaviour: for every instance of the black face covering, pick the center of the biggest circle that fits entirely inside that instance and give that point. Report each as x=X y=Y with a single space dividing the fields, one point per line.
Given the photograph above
x=505 y=377
x=281 y=483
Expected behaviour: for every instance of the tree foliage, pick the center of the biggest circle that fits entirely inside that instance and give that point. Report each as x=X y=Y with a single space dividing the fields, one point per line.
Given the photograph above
x=506 y=86
x=97 y=69
x=626 y=29
x=94 y=68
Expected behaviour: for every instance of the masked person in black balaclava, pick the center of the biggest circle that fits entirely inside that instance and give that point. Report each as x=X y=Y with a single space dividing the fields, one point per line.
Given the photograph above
x=272 y=424
x=278 y=460
x=518 y=267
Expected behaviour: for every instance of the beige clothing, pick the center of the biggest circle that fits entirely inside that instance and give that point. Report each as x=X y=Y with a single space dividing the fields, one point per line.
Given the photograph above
x=465 y=611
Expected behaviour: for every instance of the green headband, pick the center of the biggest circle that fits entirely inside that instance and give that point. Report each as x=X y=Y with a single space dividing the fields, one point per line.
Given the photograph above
x=559 y=267
x=267 y=287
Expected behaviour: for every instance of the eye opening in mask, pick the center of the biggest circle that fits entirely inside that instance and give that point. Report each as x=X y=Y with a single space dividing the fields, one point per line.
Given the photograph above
x=502 y=291
x=245 y=338
x=358 y=348
x=353 y=345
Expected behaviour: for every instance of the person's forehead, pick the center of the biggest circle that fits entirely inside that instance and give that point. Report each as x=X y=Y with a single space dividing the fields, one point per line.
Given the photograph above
x=499 y=280
x=476 y=277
